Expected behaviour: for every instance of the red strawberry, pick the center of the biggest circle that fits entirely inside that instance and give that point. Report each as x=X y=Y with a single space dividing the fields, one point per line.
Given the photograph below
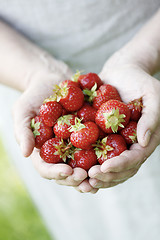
x=54 y=151
x=102 y=95
x=84 y=135
x=84 y=159
x=105 y=93
x=88 y=80
x=69 y=83
x=41 y=131
x=112 y=116
x=87 y=113
x=61 y=128
x=109 y=147
x=102 y=134
x=129 y=132
x=70 y=97
x=50 y=111
x=136 y=109
x=64 y=112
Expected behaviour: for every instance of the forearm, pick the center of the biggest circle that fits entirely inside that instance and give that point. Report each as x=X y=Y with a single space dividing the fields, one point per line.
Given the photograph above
x=20 y=59
x=144 y=48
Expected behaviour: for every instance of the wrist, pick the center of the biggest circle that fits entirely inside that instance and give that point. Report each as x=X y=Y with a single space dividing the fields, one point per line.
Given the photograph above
x=47 y=67
x=135 y=54
x=143 y=54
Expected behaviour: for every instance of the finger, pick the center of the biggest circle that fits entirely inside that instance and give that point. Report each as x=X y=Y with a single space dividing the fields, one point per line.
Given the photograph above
x=94 y=190
x=22 y=129
x=75 y=179
x=94 y=171
x=85 y=187
x=149 y=119
x=99 y=184
x=127 y=160
x=48 y=170
x=132 y=158
x=113 y=177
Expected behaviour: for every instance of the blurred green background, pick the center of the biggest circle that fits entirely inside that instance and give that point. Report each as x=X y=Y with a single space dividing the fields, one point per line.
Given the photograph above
x=19 y=218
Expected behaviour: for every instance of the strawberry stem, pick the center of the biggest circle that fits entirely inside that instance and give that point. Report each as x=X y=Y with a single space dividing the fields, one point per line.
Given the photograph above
x=78 y=125
x=60 y=92
x=114 y=119
x=101 y=148
x=91 y=93
x=35 y=127
x=75 y=77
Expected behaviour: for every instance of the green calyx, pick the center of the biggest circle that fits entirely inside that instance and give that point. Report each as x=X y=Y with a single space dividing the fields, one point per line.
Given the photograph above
x=63 y=150
x=91 y=93
x=78 y=125
x=75 y=77
x=65 y=120
x=50 y=99
x=114 y=120
x=59 y=92
x=134 y=137
x=72 y=151
x=101 y=148
x=35 y=127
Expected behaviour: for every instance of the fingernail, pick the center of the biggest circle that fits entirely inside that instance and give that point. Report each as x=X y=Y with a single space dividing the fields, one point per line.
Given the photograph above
x=147 y=137
x=97 y=185
x=77 y=179
x=63 y=175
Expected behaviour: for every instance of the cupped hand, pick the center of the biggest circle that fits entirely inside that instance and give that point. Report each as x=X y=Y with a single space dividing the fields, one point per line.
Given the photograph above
x=63 y=174
x=132 y=81
x=27 y=106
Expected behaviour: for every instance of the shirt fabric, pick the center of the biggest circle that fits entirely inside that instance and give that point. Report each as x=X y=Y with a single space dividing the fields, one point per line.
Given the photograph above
x=84 y=34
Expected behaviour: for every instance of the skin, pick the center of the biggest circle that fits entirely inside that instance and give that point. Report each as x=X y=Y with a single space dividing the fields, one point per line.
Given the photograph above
x=132 y=67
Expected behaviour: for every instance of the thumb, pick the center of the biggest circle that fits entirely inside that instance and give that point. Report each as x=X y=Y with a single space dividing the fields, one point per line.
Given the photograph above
x=23 y=133
x=149 y=119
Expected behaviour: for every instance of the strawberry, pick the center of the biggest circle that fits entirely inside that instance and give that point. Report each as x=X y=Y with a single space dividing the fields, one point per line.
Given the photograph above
x=72 y=163
x=102 y=134
x=61 y=128
x=109 y=147
x=55 y=150
x=88 y=80
x=69 y=83
x=70 y=97
x=102 y=95
x=136 y=109
x=64 y=112
x=112 y=116
x=50 y=111
x=41 y=131
x=87 y=113
x=105 y=93
x=130 y=132
x=84 y=159
x=84 y=135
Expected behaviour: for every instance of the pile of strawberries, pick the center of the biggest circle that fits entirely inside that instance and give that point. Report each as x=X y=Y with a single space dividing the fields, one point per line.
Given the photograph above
x=85 y=122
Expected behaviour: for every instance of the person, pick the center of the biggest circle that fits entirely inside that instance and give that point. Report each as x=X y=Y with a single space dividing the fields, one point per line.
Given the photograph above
x=124 y=48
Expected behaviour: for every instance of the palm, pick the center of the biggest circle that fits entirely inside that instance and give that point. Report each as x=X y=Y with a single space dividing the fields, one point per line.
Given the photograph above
x=132 y=83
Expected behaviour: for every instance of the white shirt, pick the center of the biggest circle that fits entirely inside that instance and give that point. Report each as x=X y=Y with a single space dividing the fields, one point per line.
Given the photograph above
x=84 y=34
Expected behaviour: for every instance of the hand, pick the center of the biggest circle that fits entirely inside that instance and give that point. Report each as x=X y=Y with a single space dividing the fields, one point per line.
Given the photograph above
x=132 y=82
x=25 y=109
x=27 y=106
